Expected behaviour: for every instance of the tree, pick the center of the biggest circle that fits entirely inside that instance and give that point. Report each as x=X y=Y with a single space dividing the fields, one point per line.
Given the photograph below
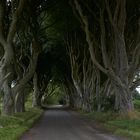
x=10 y=12
x=117 y=66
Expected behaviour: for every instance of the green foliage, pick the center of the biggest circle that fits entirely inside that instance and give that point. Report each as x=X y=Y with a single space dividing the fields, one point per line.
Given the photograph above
x=137 y=104
x=56 y=97
x=12 y=127
x=53 y=100
x=136 y=95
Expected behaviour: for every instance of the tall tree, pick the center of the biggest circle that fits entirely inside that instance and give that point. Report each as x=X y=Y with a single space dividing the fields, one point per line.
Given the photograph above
x=117 y=66
x=10 y=12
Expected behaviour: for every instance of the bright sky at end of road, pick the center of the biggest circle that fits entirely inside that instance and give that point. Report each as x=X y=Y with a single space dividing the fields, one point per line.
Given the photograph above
x=138 y=89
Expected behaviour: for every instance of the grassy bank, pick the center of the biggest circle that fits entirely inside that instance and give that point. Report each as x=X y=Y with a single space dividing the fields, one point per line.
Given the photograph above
x=118 y=125
x=12 y=127
x=123 y=126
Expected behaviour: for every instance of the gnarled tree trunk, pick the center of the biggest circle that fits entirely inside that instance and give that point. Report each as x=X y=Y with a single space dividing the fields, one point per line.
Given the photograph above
x=7 y=61
x=19 y=87
x=36 y=99
x=20 y=102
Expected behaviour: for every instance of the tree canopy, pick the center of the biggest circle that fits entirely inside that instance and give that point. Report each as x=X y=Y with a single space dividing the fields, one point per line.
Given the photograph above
x=91 y=49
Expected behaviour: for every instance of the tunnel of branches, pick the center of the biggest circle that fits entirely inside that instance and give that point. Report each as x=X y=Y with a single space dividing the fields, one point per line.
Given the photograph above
x=84 y=54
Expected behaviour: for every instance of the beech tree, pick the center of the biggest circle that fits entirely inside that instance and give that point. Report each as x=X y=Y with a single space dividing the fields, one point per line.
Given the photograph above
x=89 y=47
x=12 y=70
x=120 y=70
x=10 y=12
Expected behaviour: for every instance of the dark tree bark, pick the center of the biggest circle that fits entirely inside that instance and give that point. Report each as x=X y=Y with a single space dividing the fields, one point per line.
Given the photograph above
x=7 y=61
x=117 y=68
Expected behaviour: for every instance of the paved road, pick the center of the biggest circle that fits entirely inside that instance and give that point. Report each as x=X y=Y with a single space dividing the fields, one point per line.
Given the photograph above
x=65 y=125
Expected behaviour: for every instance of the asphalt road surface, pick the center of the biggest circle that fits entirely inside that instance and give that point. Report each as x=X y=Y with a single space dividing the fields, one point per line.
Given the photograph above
x=59 y=124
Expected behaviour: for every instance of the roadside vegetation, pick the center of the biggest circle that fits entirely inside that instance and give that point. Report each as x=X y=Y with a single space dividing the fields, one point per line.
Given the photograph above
x=13 y=126
x=89 y=50
x=127 y=126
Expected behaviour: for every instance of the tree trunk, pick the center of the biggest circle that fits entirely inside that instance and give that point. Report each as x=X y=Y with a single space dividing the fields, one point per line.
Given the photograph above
x=6 y=76
x=6 y=64
x=123 y=95
x=8 y=103
x=87 y=101
x=36 y=92
x=86 y=106
x=75 y=99
x=20 y=103
x=123 y=100
x=98 y=96
x=70 y=90
x=25 y=79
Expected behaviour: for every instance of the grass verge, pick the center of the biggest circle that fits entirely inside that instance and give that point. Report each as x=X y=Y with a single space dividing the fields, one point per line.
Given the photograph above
x=118 y=125
x=12 y=127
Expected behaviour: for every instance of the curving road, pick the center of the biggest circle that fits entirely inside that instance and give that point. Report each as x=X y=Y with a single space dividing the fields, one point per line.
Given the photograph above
x=59 y=124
